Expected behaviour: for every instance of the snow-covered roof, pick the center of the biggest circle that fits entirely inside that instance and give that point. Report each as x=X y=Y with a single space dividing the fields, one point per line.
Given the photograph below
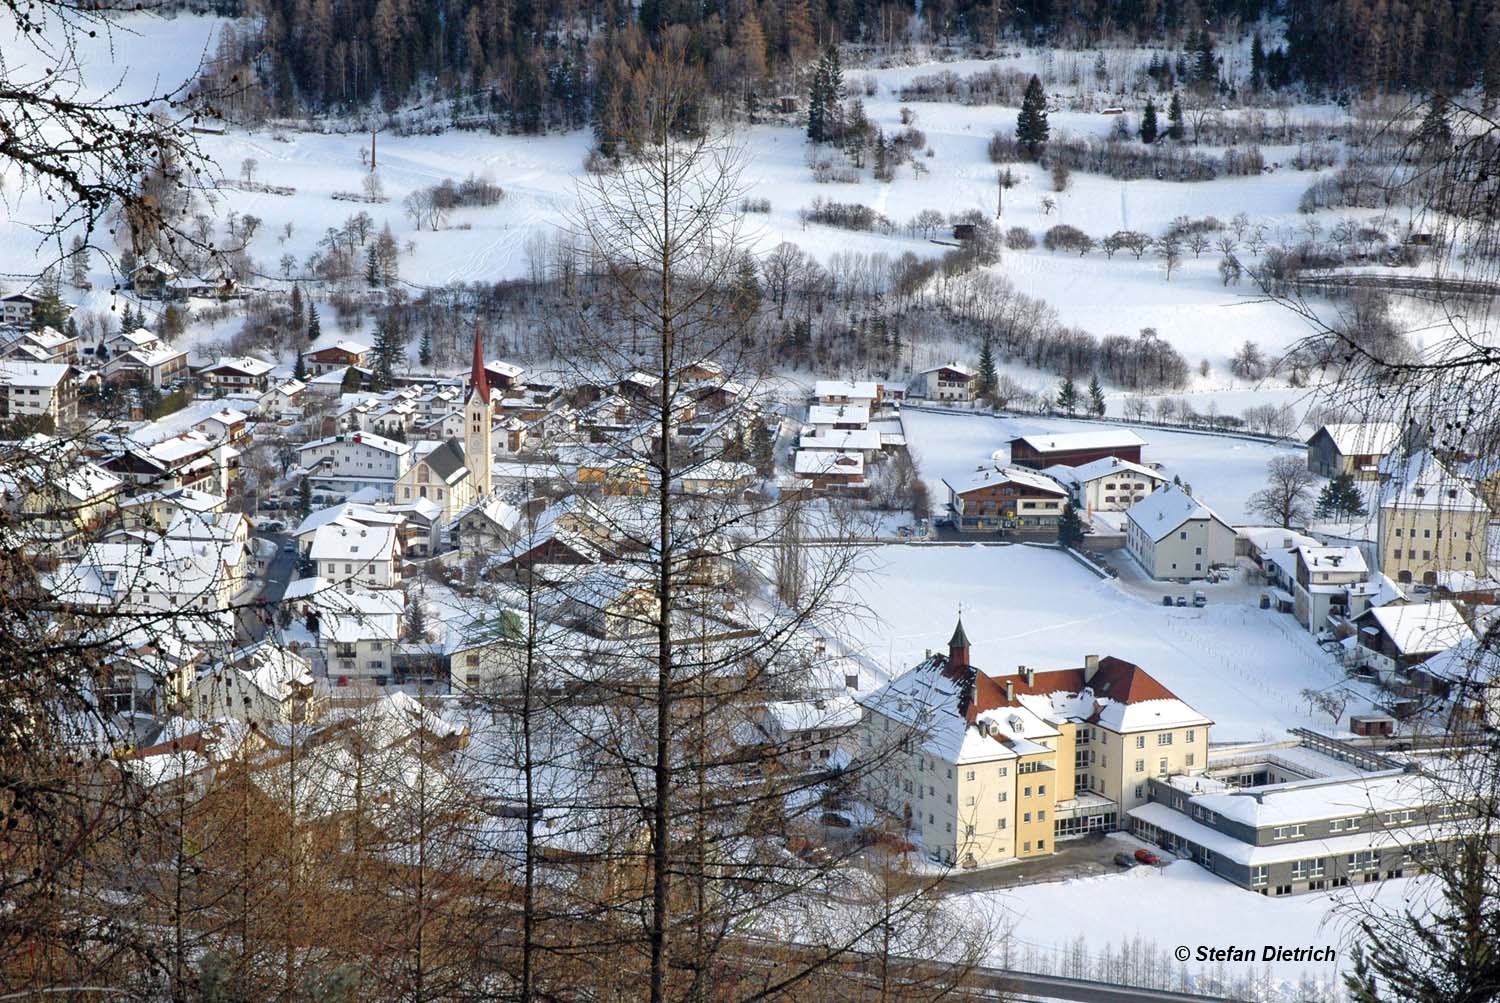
x=956 y=367
x=1248 y=854
x=797 y=716
x=1051 y=442
x=1163 y=510
x=1362 y=438
x=379 y=442
x=1415 y=628
x=1340 y=559
x=855 y=390
x=1420 y=481
x=1275 y=538
x=247 y=364
x=361 y=544
x=986 y=477
x=814 y=462
x=1323 y=798
x=865 y=439
x=33 y=374
x=1109 y=466
x=838 y=414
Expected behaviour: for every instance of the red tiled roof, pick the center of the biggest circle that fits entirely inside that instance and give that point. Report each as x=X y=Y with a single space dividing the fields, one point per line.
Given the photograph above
x=1118 y=680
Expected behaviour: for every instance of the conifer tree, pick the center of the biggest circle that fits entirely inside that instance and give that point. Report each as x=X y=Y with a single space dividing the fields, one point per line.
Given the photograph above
x=1174 y=118
x=1067 y=395
x=1096 y=396
x=1148 y=122
x=297 y=309
x=299 y=368
x=424 y=350
x=1031 y=123
x=988 y=379
x=1257 y=63
x=1069 y=527
x=314 y=327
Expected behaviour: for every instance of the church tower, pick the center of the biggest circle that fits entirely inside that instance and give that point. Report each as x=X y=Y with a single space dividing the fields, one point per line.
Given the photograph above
x=478 y=416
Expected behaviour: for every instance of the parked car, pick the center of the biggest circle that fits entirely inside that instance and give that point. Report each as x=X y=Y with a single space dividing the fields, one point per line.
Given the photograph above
x=1147 y=857
x=1166 y=600
x=1182 y=600
x=1200 y=598
x=1124 y=859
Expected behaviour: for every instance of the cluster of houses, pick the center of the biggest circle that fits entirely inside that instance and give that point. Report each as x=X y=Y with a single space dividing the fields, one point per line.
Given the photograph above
x=849 y=427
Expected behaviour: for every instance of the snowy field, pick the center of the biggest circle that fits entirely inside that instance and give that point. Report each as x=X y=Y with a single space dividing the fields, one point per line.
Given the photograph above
x=1193 y=311
x=1182 y=904
x=1239 y=665
x=1223 y=471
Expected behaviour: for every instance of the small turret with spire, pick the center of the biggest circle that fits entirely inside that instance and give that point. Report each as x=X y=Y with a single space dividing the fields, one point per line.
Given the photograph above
x=958 y=646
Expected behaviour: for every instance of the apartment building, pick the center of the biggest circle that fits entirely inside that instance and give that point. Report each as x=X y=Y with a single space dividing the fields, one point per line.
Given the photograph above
x=1171 y=534
x=987 y=768
x=1432 y=526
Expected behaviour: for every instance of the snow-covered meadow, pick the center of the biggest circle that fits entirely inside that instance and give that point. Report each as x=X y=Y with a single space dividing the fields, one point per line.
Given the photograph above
x=1241 y=666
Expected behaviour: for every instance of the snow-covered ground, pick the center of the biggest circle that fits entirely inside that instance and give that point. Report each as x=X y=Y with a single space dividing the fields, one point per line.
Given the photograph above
x=1182 y=904
x=1241 y=666
x=1222 y=470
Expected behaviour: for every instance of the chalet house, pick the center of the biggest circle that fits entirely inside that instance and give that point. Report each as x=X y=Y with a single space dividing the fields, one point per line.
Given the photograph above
x=866 y=392
x=225 y=425
x=989 y=768
x=189 y=460
x=1431 y=524
x=1354 y=448
x=486 y=525
x=265 y=683
x=349 y=462
x=1107 y=485
x=865 y=441
x=994 y=498
x=238 y=374
x=1173 y=535
x=141 y=355
x=830 y=470
x=340 y=355
x=504 y=376
x=616 y=476
x=552 y=545
x=809 y=735
x=717 y=477
x=487 y=653
x=46 y=345
x=1394 y=639
x=825 y=418
x=606 y=603
x=284 y=401
x=38 y=390
x=357 y=556
x=17 y=308
x=149 y=279
x=952 y=382
x=1074 y=449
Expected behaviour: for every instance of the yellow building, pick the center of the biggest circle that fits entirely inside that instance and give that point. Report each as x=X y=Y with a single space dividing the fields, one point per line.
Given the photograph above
x=983 y=768
x=1432 y=524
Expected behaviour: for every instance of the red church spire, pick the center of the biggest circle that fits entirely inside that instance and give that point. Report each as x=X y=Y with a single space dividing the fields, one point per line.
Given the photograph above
x=479 y=381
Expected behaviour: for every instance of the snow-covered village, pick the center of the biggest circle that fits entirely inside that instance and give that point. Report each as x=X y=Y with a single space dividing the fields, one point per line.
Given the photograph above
x=749 y=502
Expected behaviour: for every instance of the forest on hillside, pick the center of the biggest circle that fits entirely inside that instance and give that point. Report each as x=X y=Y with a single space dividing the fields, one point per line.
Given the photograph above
x=528 y=66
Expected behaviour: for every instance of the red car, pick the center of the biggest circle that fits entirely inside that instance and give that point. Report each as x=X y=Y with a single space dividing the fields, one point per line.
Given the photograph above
x=1147 y=857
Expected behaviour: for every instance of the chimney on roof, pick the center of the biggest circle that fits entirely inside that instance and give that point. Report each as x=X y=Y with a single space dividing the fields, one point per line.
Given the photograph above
x=1090 y=667
x=1010 y=691
x=1030 y=676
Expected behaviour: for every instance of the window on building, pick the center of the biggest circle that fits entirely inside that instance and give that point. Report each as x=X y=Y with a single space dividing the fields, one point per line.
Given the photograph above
x=1140 y=766
x=1140 y=741
x=1164 y=738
